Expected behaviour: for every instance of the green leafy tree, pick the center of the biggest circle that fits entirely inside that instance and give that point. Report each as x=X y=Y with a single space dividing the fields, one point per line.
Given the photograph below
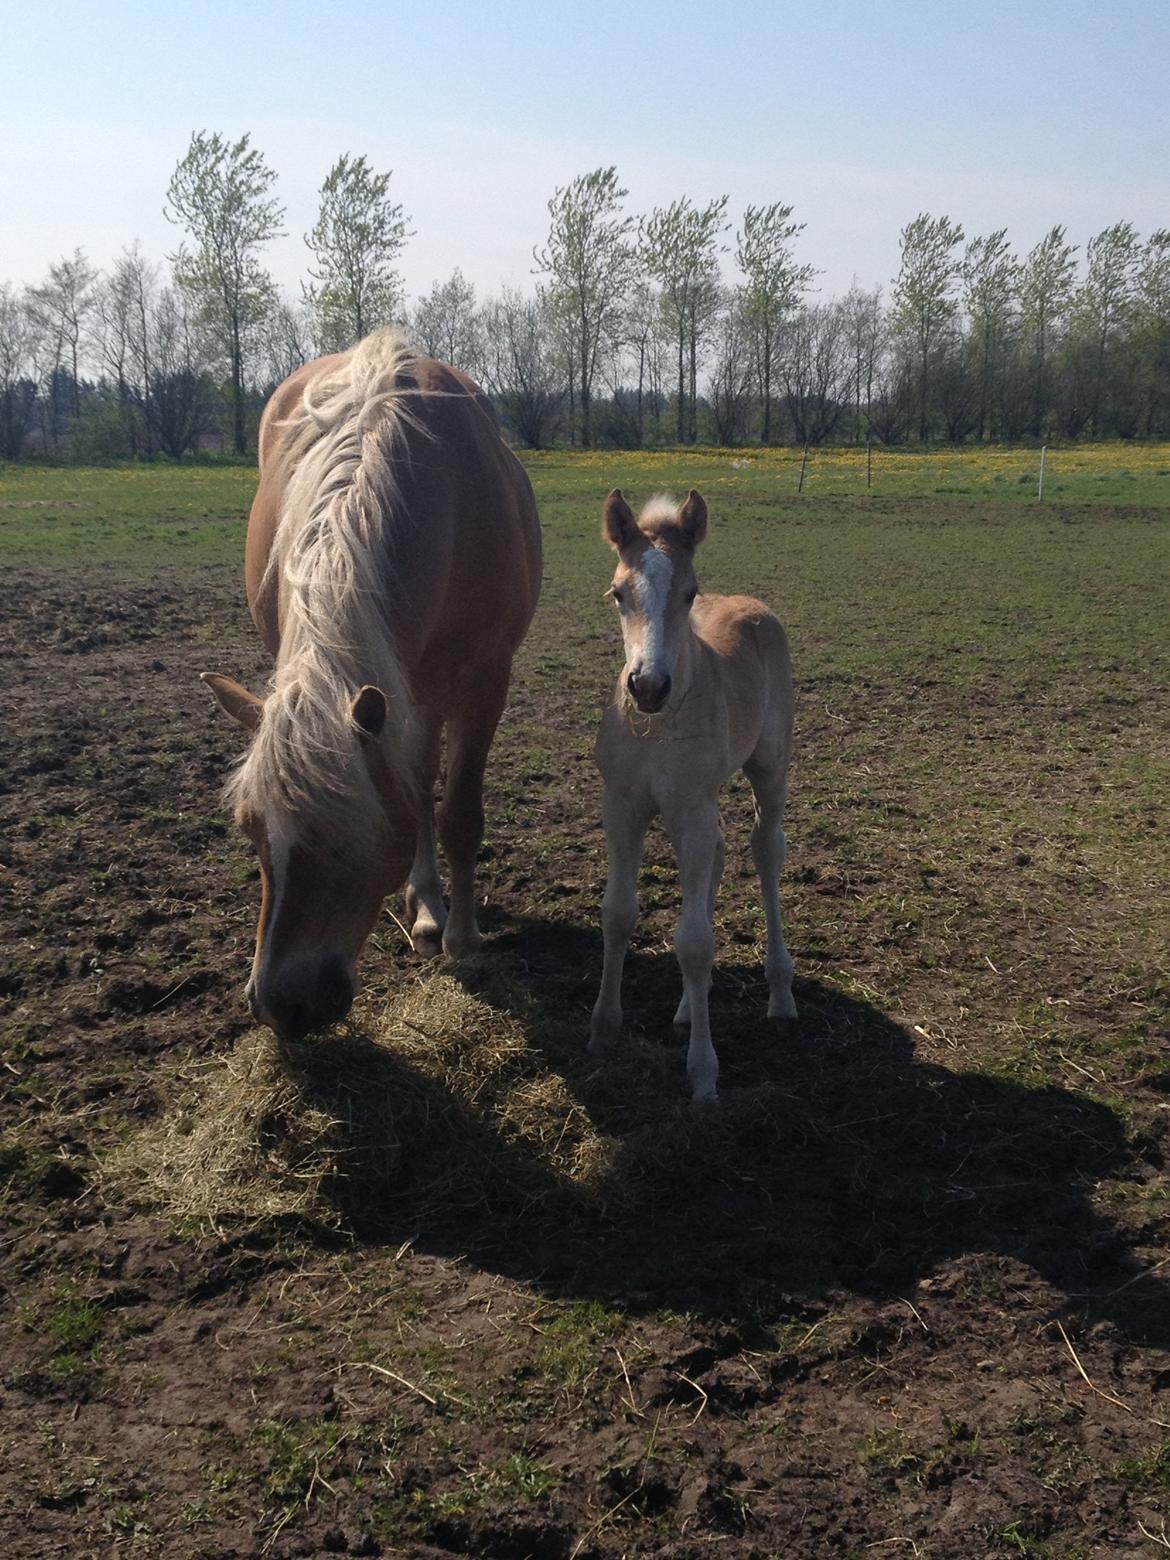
x=590 y=263
x=924 y=299
x=359 y=234
x=991 y=281
x=221 y=193
x=1152 y=329
x=773 y=287
x=680 y=250
x=1046 y=280
x=1102 y=311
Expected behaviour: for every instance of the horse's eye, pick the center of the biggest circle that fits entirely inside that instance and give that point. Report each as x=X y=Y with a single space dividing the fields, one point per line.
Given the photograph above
x=617 y=596
x=691 y=597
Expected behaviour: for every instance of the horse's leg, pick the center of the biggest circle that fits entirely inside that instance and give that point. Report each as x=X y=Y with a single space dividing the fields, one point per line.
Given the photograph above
x=698 y=843
x=469 y=737
x=425 y=911
x=682 y=1015
x=769 y=848
x=625 y=829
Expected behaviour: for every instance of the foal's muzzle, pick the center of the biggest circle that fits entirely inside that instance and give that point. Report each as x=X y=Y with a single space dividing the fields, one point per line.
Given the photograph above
x=649 y=693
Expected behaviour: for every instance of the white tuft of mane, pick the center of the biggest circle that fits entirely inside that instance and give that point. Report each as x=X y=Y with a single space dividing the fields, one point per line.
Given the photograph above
x=330 y=554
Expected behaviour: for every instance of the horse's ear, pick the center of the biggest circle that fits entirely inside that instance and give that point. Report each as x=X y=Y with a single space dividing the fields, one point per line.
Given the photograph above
x=618 y=525
x=368 y=710
x=692 y=518
x=237 y=702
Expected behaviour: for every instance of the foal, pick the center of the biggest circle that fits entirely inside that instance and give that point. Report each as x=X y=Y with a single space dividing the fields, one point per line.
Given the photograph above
x=706 y=689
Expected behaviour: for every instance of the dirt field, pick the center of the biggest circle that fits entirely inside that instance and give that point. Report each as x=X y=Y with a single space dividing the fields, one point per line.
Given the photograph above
x=906 y=1293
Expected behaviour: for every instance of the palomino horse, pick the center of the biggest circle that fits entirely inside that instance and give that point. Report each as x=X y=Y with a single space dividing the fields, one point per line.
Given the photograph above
x=393 y=566
x=706 y=690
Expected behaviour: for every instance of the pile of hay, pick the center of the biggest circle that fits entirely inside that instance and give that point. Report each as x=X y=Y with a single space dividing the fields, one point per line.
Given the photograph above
x=442 y=1102
x=479 y=1118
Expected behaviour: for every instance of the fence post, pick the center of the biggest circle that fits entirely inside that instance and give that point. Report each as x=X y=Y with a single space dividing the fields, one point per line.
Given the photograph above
x=1040 y=485
x=803 y=463
x=868 y=464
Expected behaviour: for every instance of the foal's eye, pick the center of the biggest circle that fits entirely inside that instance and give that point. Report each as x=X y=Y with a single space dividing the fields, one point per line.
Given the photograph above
x=691 y=597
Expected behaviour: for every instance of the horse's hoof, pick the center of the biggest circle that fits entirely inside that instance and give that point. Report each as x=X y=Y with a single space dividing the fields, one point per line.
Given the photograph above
x=462 y=947
x=427 y=941
x=782 y=1006
x=708 y=1101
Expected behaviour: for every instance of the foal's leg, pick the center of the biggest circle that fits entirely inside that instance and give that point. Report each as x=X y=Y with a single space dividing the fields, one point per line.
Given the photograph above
x=682 y=1015
x=768 y=851
x=425 y=911
x=469 y=737
x=698 y=844
x=625 y=829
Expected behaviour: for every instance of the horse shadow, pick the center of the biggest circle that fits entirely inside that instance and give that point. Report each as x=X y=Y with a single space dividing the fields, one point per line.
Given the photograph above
x=836 y=1161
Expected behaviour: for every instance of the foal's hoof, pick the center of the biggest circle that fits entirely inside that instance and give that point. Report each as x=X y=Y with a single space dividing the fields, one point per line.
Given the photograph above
x=603 y=1037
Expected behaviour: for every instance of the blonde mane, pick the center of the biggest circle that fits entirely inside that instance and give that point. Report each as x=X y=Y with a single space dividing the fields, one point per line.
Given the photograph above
x=343 y=447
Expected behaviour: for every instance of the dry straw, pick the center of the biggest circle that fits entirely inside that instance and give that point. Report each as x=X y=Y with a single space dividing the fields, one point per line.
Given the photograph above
x=452 y=1104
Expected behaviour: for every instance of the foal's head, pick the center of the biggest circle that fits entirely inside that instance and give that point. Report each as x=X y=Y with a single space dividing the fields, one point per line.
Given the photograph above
x=334 y=833
x=654 y=586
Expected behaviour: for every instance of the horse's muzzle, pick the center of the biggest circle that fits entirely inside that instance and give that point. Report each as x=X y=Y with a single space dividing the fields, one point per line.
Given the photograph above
x=297 y=1005
x=648 y=693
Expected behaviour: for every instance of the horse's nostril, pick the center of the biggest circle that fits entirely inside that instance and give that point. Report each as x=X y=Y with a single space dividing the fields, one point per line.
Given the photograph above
x=632 y=683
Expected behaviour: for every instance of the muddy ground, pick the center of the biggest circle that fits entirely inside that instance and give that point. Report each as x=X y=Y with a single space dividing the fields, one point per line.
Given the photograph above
x=928 y=1317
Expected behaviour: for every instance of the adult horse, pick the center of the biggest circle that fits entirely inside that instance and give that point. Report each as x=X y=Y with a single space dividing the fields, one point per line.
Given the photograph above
x=393 y=565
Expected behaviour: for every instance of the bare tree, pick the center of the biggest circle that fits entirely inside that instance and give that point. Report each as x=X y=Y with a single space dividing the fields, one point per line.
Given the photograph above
x=126 y=299
x=64 y=305
x=729 y=390
x=220 y=192
x=19 y=333
x=358 y=236
x=814 y=370
x=286 y=341
x=868 y=336
x=447 y=326
x=590 y=263
x=520 y=367
x=773 y=286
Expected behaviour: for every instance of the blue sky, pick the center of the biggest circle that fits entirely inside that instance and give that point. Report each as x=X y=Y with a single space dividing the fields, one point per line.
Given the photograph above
x=860 y=115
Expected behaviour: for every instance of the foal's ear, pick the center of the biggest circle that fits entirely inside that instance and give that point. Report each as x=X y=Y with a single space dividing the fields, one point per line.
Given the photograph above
x=368 y=710
x=241 y=705
x=692 y=518
x=618 y=525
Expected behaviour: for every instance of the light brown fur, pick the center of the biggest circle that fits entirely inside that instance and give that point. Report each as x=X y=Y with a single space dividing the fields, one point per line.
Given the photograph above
x=720 y=667
x=387 y=502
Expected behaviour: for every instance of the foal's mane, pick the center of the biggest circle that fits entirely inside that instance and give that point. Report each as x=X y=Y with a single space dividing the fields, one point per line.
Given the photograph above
x=329 y=561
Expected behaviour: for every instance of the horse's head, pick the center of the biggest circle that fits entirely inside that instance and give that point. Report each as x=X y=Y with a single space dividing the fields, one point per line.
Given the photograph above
x=334 y=831
x=654 y=586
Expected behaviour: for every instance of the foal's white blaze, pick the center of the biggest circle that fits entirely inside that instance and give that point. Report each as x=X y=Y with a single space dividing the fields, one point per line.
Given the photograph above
x=652 y=590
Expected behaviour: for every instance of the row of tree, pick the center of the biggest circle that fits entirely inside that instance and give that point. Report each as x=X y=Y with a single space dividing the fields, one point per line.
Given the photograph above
x=630 y=334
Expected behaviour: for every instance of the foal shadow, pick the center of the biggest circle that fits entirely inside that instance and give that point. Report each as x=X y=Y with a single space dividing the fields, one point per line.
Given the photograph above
x=836 y=1160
